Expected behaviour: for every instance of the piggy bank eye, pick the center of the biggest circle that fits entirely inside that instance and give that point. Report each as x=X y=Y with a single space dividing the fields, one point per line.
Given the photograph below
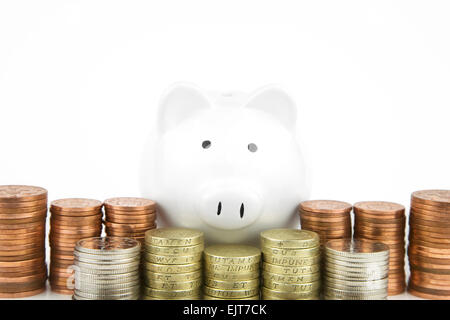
x=252 y=147
x=206 y=144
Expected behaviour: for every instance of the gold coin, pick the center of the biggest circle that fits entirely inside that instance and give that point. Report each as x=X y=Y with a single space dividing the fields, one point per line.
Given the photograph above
x=270 y=294
x=173 y=237
x=231 y=254
x=232 y=276
x=289 y=238
x=176 y=251
x=292 y=287
x=195 y=297
x=160 y=259
x=220 y=293
x=291 y=252
x=172 y=269
x=305 y=278
x=159 y=293
x=232 y=285
x=206 y=297
x=174 y=285
x=283 y=270
x=232 y=268
x=292 y=261
x=170 y=277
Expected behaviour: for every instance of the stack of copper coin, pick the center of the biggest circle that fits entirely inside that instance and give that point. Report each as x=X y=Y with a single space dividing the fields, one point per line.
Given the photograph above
x=129 y=217
x=385 y=222
x=23 y=211
x=71 y=220
x=429 y=244
x=330 y=219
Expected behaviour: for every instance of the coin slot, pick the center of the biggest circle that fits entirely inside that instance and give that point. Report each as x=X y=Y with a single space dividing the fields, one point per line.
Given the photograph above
x=219 y=208
x=206 y=144
x=242 y=210
x=252 y=147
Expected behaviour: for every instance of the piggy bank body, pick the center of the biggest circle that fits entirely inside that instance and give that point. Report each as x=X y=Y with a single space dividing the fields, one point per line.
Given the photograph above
x=227 y=164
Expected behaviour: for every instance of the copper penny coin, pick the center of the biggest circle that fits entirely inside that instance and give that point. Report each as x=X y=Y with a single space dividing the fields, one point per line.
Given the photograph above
x=325 y=206
x=129 y=203
x=21 y=193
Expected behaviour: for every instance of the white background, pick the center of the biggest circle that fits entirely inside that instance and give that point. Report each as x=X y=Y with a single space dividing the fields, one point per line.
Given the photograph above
x=80 y=81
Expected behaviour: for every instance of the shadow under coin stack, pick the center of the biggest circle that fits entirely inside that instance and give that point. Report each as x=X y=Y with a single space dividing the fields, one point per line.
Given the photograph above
x=385 y=222
x=330 y=219
x=23 y=211
x=107 y=269
x=291 y=264
x=231 y=272
x=429 y=244
x=71 y=219
x=355 y=270
x=129 y=217
x=173 y=264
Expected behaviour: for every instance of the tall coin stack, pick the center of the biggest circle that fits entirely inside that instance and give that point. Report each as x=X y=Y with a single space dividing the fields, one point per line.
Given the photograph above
x=355 y=270
x=107 y=269
x=71 y=219
x=429 y=244
x=385 y=222
x=231 y=272
x=291 y=264
x=330 y=219
x=129 y=217
x=23 y=211
x=173 y=264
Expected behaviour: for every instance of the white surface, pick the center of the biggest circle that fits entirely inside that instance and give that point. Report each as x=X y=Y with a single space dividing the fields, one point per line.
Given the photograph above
x=80 y=81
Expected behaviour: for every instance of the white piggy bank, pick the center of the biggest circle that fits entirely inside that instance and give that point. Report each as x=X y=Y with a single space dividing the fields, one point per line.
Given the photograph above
x=227 y=164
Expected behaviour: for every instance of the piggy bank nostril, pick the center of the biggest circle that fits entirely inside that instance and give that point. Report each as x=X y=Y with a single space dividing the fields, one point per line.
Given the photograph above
x=242 y=210
x=219 y=208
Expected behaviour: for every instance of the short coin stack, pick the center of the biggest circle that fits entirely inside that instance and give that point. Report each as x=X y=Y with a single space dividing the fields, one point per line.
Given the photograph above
x=291 y=264
x=330 y=219
x=429 y=244
x=173 y=264
x=23 y=211
x=355 y=270
x=107 y=269
x=129 y=217
x=71 y=219
x=231 y=272
x=385 y=222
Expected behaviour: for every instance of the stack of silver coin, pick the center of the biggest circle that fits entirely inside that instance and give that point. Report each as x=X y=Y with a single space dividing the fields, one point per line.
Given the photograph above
x=107 y=269
x=355 y=270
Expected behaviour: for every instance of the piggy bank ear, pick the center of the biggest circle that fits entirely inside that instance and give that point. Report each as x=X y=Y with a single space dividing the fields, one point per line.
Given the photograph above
x=276 y=102
x=180 y=102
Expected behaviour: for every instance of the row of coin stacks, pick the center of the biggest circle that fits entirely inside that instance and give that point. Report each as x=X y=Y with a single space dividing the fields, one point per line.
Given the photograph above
x=176 y=266
x=376 y=221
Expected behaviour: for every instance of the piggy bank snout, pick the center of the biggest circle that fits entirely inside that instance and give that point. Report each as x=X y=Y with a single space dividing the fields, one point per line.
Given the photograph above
x=229 y=208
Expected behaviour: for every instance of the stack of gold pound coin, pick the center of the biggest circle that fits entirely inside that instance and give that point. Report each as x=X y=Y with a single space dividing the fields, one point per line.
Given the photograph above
x=23 y=211
x=429 y=244
x=107 y=269
x=71 y=220
x=355 y=270
x=129 y=217
x=384 y=222
x=232 y=272
x=291 y=264
x=330 y=219
x=173 y=264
